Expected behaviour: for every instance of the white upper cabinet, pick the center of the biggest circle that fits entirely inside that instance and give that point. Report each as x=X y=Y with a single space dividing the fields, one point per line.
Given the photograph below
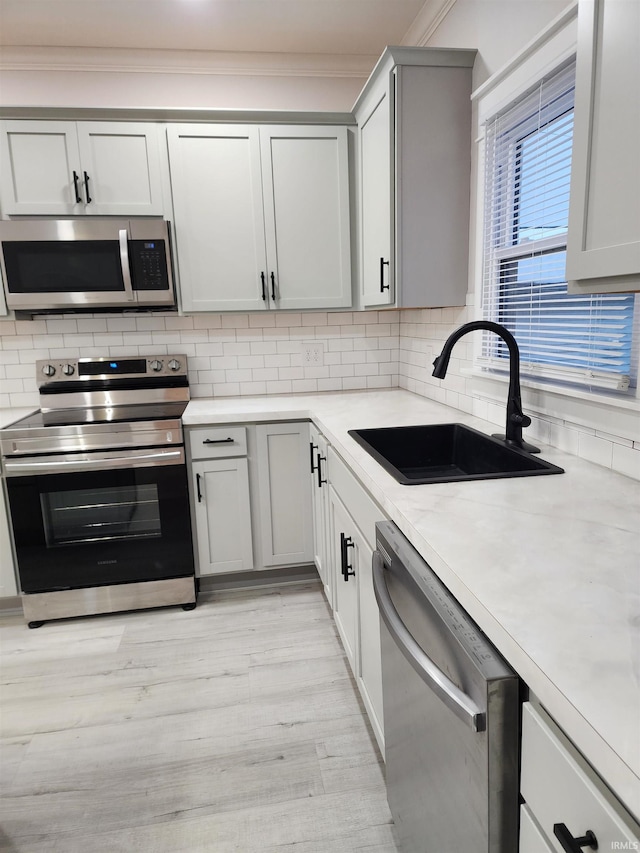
x=262 y=216
x=414 y=126
x=80 y=168
x=603 y=245
x=376 y=148
x=217 y=201
x=306 y=209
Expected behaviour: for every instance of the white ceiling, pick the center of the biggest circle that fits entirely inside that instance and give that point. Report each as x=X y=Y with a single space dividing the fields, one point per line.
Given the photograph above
x=344 y=27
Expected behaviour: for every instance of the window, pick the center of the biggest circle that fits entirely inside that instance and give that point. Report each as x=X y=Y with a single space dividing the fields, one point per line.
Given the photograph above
x=581 y=339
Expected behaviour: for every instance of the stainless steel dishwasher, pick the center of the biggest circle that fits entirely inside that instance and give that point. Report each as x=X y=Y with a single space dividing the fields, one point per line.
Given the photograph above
x=451 y=713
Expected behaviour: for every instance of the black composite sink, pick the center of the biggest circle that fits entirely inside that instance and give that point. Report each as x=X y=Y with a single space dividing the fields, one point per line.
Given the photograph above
x=444 y=453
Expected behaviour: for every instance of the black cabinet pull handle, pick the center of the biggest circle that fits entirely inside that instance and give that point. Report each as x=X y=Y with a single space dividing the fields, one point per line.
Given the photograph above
x=383 y=286
x=76 y=178
x=218 y=440
x=264 y=289
x=312 y=447
x=346 y=542
x=321 y=459
x=86 y=188
x=572 y=844
x=198 y=488
x=273 y=287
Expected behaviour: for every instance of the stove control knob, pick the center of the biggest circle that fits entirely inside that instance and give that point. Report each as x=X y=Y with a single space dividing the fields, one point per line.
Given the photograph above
x=174 y=364
x=155 y=365
x=68 y=369
x=48 y=370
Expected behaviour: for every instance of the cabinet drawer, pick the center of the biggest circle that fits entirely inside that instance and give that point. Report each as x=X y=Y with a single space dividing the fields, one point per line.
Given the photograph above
x=559 y=787
x=218 y=442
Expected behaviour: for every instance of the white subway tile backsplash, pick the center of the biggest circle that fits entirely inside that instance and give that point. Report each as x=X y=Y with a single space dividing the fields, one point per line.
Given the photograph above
x=250 y=361
x=278 y=360
x=270 y=374
x=595 y=449
x=120 y=324
x=279 y=386
x=248 y=389
x=626 y=460
x=314 y=318
x=245 y=354
x=264 y=347
x=262 y=321
x=285 y=319
x=61 y=326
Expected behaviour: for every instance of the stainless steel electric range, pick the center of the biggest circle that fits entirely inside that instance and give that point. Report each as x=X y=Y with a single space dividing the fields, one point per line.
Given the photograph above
x=96 y=483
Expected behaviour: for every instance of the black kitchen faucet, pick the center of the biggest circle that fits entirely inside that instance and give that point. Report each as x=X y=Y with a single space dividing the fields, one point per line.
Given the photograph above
x=516 y=419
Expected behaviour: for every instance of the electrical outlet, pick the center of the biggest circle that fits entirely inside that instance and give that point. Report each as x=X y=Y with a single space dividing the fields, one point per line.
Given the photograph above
x=312 y=354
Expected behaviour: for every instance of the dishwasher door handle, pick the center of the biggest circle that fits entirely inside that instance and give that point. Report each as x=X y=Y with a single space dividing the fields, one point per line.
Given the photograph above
x=455 y=699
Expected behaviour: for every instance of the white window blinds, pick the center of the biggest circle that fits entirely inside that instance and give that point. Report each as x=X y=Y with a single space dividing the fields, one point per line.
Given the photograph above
x=582 y=339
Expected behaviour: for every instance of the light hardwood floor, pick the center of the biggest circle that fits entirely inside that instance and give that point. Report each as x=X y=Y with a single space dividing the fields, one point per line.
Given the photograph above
x=234 y=727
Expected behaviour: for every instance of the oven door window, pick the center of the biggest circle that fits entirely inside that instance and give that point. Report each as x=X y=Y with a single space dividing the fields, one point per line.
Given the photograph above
x=111 y=514
x=97 y=528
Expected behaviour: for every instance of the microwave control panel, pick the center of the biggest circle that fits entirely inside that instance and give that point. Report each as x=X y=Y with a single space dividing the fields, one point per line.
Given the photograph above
x=148 y=260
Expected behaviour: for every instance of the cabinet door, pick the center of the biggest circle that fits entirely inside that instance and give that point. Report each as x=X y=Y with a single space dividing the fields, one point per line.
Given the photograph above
x=284 y=494
x=377 y=263
x=222 y=516
x=604 y=216
x=306 y=197
x=559 y=787
x=345 y=558
x=217 y=199
x=370 y=654
x=37 y=164
x=120 y=164
x=319 y=495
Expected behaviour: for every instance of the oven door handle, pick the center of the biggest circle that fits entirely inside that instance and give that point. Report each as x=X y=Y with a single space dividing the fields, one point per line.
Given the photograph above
x=93 y=462
x=462 y=705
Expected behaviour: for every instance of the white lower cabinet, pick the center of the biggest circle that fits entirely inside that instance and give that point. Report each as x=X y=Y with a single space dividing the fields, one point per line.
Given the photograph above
x=352 y=519
x=564 y=797
x=220 y=499
x=250 y=497
x=223 y=516
x=282 y=453
x=345 y=557
x=318 y=452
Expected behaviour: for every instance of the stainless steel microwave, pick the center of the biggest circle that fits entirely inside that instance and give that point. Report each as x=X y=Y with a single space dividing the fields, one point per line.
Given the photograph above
x=86 y=264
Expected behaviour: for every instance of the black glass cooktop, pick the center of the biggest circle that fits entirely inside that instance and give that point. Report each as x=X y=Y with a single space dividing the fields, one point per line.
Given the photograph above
x=100 y=415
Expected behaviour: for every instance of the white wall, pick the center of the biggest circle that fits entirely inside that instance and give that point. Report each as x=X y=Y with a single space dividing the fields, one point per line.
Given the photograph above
x=67 y=77
x=498 y=29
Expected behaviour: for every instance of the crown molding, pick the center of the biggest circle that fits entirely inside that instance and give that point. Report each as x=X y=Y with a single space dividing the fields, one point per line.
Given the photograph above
x=427 y=21
x=153 y=61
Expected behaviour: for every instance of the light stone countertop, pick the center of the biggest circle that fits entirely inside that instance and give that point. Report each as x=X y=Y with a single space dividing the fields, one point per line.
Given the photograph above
x=547 y=566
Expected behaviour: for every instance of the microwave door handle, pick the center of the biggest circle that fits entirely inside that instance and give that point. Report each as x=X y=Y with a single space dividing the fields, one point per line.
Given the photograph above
x=123 y=239
x=462 y=705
